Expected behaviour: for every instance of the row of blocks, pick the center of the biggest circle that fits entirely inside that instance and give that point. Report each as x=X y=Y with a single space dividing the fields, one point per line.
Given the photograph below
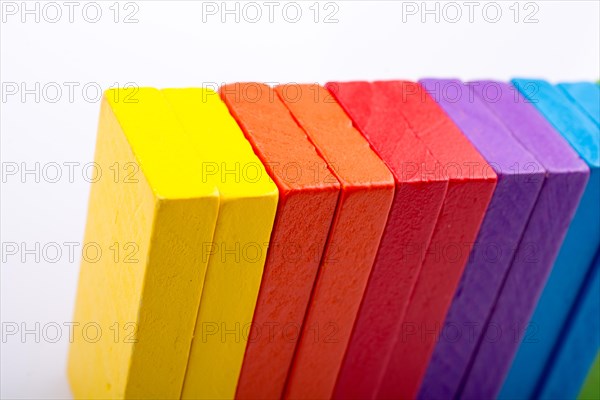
x=385 y=240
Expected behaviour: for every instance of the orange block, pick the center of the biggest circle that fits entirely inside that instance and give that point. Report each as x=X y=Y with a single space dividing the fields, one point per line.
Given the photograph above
x=367 y=190
x=308 y=194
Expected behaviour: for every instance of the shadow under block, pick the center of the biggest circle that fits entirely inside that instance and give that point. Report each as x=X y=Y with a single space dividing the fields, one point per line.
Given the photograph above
x=367 y=190
x=586 y=95
x=534 y=167
x=573 y=358
x=577 y=252
x=236 y=256
x=591 y=388
x=415 y=208
x=158 y=212
x=308 y=194
x=470 y=188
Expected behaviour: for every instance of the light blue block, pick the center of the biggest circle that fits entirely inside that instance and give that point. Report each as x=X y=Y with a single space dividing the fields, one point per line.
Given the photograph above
x=579 y=247
x=586 y=95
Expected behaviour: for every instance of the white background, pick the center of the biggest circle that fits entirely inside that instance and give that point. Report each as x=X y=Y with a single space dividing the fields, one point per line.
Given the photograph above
x=177 y=45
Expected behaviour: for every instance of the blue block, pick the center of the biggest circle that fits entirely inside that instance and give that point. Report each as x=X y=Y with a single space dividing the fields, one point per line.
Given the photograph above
x=576 y=353
x=579 y=248
x=587 y=97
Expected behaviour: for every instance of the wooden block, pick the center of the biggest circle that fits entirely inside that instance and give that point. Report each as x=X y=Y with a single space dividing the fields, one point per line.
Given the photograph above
x=471 y=182
x=367 y=190
x=586 y=95
x=417 y=201
x=516 y=126
x=574 y=356
x=566 y=184
x=520 y=179
x=591 y=388
x=248 y=202
x=308 y=194
x=150 y=212
x=518 y=297
x=577 y=252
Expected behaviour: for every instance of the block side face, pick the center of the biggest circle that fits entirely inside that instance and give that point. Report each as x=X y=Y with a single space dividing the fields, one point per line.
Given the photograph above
x=458 y=158
x=288 y=155
x=572 y=123
x=566 y=277
x=345 y=268
x=164 y=152
x=509 y=210
x=377 y=117
x=455 y=231
x=295 y=251
x=177 y=262
x=108 y=292
x=407 y=234
x=332 y=133
x=224 y=158
x=528 y=126
x=235 y=267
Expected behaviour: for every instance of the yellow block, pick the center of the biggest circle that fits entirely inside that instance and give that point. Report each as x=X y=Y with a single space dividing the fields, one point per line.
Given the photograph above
x=150 y=212
x=248 y=202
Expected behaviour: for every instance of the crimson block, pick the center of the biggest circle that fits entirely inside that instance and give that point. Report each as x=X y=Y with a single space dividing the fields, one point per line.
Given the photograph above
x=470 y=188
x=417 y=201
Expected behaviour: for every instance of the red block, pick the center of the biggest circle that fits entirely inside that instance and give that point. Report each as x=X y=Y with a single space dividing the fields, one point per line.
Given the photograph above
x=308 y=195
x=362 y=212
x=417 y=202
x=472 y=182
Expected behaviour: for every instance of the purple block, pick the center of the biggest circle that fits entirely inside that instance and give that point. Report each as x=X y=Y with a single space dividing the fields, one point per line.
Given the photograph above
x=566 y=177
x=520 y=178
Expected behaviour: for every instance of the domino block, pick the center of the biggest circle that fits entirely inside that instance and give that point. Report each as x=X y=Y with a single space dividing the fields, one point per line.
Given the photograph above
x=416 y=205
x=367 y=190
x=591 y=388
x=520 y=178
x=236 y=256
x=579 y=247
x=586 y=95
x=575 y=355
x=470 y=188
x=566 y=177
x=308 y=194
x=157 y=211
